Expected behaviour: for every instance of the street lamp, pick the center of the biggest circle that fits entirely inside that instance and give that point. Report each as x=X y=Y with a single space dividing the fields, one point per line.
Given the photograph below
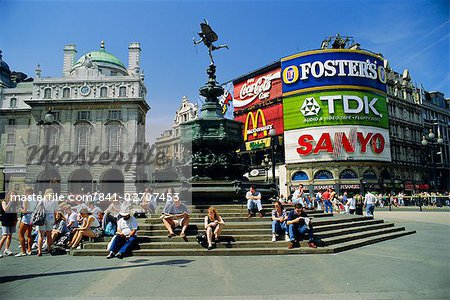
x=266 y=164
x=49 y=118
x=433 y=142
x=273 y=134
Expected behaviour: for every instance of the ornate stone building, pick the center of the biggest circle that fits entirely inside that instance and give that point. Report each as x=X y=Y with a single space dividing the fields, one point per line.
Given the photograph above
x=97 y=131
x=168 y=147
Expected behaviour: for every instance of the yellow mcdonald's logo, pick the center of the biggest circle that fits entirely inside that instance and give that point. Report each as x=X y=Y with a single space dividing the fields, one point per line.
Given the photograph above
x=254 y=118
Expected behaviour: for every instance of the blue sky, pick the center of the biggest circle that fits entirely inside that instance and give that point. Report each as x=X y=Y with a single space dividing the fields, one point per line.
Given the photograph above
x=410 y=34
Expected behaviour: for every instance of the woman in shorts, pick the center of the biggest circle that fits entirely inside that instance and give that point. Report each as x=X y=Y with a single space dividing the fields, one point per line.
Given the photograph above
x=90 y=228
x=60 y=227
x=9 y=221
x=50 y=207
x=26 y=226
x=213 y=226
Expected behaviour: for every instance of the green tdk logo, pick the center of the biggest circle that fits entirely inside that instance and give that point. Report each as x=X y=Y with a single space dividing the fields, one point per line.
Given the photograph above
x=335 y=108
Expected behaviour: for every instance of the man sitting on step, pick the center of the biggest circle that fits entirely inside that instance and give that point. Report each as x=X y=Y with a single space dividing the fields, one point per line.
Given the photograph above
x=175 y=215
x=299 y=223
x=125 y=238
x=253 y=199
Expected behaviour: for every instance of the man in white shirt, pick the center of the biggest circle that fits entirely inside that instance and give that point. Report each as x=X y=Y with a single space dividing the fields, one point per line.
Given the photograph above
x=253 y=198
x=125 y=238
x=297 y=197
x=369 y=201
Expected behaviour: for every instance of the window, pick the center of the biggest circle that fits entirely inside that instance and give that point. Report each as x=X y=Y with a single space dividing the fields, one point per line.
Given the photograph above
x=53 y=131
x=13 y=103
x=11 y=138
x=83 y=134
x=122 y=91
x=299 y=175
x=12 y=122
x=115 y=115
x=66 y=93
x=47 y=93
x=56 y=115
x=103 y=92
x=113 y=139
x=84 y=115
x=9 y=158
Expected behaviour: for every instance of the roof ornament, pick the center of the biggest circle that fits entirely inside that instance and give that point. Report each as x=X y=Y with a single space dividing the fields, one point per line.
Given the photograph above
x=1 y=55
x=208 y=37
x=102 y=45
x=38 y=71
x=87 y=61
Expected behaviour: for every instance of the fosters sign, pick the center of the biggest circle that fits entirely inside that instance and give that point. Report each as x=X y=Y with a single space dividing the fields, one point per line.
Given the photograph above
x=327 y=69
x=335 y=108
x=258 y=123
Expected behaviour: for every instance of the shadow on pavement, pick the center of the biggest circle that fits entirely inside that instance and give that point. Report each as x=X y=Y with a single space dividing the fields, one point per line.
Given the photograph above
x=180 y=262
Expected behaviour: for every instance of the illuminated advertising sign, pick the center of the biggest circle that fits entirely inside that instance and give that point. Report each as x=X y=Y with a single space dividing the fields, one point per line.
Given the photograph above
x=259 y=88
x=257 y=123
x=335 y=108
x=331 y=69
x=337 y=143
x=258 y=144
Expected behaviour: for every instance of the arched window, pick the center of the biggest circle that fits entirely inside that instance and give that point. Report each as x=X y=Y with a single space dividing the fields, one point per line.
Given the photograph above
x=299 y=175
x=13 y=103
x=348 y=174
x=123 y=91
x=103 y=92
x=83 y=132
x=323 y=174
x=66 y=93
x=113 y=137
x=47 y=93
x=370 y=174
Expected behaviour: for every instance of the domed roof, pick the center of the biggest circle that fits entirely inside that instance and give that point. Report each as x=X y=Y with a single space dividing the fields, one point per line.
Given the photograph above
x=100 y=56
x=3 y=65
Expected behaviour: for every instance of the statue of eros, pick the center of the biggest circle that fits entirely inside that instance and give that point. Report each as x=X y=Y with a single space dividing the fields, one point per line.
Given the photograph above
x=208 y=37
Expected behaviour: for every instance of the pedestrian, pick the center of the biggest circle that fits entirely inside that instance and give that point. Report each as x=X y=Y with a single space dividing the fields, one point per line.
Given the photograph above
x=9 y=220
x=326 y=196
x=26 y=226
x=176 y=215
x=279 y=217
x=299 y=223
x=89 y=228
x=369 y=201
x=125 y=238
x=50 y=207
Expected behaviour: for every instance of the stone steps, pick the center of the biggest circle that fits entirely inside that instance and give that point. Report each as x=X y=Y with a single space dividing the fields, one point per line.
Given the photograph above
x=253 y=237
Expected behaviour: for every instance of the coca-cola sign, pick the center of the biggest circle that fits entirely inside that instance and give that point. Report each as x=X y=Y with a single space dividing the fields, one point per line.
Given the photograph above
x=262 y=87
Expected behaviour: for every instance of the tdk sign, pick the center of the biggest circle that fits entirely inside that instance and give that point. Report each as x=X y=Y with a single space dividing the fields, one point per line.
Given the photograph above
x=329 y=69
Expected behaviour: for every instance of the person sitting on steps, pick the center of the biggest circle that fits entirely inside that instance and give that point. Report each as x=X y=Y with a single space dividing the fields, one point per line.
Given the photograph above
x=213 y=225
x=175 y=215
x=125 y=238
x=299 y=223
x=253 y=199
x=279 y=226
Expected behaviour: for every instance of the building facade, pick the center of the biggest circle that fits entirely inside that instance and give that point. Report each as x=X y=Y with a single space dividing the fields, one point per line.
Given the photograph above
x=96 y=133
x=168 y=147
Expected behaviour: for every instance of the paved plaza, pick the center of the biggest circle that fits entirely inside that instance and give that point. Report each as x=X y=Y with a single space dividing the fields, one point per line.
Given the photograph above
x=411 y=267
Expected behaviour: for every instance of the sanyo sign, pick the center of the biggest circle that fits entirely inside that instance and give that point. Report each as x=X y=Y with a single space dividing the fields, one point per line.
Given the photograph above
x=315 y=70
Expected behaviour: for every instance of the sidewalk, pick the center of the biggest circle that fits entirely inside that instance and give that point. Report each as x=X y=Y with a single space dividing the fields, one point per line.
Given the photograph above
x=411 y=267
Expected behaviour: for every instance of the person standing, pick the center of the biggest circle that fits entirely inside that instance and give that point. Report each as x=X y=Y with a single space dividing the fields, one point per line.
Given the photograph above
x=50 y=207
x=9 y=221
x=26 y=226
x=253 y=198
x=326 y=196
x=297 y=197
x=369 y=201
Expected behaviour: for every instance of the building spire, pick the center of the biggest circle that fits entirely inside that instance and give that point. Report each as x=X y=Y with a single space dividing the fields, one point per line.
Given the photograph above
x=102 y=45
x=38 y=71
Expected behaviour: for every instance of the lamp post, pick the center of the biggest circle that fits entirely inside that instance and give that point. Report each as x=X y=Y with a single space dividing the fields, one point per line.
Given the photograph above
x=266 y=164
x=49 y=118
x=272 y=134
x=433 y=142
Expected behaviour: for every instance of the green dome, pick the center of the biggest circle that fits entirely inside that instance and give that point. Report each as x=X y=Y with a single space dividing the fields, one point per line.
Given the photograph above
x=101 y=56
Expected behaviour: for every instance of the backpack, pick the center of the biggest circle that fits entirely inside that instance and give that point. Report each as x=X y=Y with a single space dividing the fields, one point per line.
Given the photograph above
x=110 y=229
x=201 y=239
x=38 y=215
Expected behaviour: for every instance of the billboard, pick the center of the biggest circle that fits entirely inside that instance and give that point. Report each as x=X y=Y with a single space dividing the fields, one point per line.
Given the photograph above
x=337 y=143
x=340 y=107
x=331 y=69
x=257 y=89
x=257 y=123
